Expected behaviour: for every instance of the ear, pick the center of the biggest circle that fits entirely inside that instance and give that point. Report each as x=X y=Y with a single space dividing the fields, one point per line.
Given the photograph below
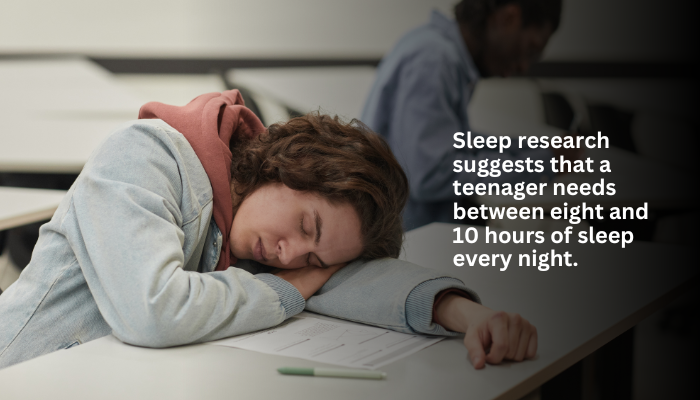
x=507 y=18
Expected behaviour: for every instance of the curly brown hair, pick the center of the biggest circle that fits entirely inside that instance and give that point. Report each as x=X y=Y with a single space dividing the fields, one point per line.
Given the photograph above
x=342 y=162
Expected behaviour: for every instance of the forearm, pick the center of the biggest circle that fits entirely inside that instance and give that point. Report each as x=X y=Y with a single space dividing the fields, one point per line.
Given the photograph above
x=188 y=307
x=452 y=312
x=389 y=293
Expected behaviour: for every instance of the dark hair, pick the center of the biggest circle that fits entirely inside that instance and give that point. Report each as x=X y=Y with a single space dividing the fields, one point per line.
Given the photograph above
x=342 y=162
x=474 y=13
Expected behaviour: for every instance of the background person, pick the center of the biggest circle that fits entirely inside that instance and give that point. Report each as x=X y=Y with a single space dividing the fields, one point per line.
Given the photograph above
x=423 y=85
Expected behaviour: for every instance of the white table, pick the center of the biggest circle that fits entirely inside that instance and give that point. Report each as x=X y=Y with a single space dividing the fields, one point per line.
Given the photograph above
x=576 y=310
x=54 y=112
x=333 y=90
x=511 y=107
x=19 y=206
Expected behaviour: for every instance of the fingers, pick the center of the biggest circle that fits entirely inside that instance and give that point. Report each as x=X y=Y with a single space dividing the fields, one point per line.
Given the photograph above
x=324 y=274
x=512 y=338
x=500 y=341
x=523 y=342
x=335 y=268
x=532 y=346
x=474 y=346
x=515 y=330
x=308 y=280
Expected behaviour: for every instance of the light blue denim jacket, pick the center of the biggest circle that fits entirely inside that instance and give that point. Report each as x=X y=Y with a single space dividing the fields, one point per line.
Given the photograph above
x=132 y=249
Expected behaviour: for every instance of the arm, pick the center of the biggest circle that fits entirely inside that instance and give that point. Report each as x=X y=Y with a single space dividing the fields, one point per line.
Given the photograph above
x=508 y=336
x=128 y=232
x=398 y=295
x=390 y=293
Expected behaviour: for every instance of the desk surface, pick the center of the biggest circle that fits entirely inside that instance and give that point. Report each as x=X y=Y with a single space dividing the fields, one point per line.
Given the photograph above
x=53 y=112
x=334 y=90
x=20 y=206
x=576 y=310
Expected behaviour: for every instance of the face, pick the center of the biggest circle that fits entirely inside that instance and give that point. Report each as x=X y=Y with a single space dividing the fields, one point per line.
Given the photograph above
x=509 y=48
x=284 y=228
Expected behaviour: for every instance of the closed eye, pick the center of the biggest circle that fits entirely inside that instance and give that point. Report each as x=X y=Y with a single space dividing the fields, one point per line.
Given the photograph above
x=301 y=225
x=320 y=264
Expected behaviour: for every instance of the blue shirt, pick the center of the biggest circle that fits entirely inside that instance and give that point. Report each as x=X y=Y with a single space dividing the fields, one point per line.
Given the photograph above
x=418 y=101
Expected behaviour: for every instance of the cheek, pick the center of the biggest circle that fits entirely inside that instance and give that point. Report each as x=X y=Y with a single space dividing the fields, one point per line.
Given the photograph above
x=237 y=238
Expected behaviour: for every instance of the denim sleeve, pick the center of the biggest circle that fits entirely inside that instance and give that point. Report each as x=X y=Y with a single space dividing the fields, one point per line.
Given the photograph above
x=427 y=108
x=126 y=229
x=419 y=305
x=388 y=293
x=292 y=301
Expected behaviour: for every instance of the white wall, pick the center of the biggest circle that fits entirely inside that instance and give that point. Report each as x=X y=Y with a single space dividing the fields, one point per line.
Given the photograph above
x=218 y=28
x=592 y=30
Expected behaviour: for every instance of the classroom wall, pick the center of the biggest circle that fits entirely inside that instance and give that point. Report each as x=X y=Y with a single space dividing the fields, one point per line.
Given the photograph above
x=591 y=30
x=210 y=28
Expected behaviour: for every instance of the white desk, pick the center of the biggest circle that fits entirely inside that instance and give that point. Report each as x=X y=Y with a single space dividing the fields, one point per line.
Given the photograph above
x=54 y=112
x=576 y=310
x=511 y=106
x=335 y=90
x=20 y=206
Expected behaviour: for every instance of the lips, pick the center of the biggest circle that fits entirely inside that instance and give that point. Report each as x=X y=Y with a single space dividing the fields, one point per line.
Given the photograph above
x=259 y=251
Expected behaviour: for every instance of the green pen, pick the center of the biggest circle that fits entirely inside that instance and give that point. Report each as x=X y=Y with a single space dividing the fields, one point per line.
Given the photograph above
x=333 y=372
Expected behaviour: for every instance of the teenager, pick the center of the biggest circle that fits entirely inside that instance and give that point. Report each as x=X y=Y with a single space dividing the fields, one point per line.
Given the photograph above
x=196 y=223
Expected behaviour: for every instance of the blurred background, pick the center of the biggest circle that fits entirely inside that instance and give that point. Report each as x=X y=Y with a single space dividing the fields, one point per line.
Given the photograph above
x=73 y=70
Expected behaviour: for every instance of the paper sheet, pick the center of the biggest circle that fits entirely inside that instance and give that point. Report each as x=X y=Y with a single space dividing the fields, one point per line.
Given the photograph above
x=355 y=346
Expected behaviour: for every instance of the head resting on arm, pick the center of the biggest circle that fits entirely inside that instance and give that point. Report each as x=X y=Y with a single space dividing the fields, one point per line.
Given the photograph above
x=343 y=163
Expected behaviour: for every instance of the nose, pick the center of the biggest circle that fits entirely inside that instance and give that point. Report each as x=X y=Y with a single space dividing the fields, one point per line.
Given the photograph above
x=292 y=252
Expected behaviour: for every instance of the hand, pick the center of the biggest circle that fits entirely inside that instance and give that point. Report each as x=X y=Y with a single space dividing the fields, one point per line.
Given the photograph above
x=308 y=280
x=504 y=336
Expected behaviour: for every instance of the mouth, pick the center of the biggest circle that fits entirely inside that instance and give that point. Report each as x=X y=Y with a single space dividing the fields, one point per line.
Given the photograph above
x=259 y=252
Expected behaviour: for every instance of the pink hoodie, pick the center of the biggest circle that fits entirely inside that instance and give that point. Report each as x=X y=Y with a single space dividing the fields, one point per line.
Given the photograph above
x=209 y=122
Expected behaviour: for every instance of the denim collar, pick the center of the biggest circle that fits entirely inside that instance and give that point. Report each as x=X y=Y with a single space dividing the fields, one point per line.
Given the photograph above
x=450 y=30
